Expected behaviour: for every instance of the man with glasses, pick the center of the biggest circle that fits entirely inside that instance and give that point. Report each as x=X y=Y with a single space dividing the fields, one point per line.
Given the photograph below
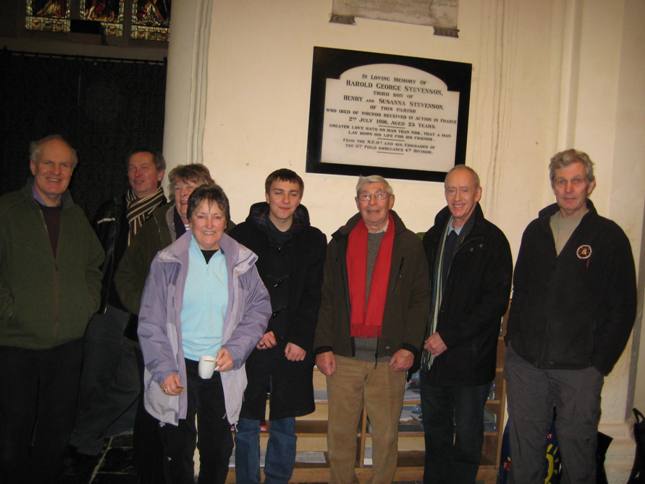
x=370 y=327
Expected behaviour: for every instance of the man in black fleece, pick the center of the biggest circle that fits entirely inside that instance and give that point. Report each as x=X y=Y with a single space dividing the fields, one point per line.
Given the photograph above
x=574 y=303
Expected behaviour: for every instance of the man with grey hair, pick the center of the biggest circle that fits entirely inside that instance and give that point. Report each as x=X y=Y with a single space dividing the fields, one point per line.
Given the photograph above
x=50 y=285
x=470 y=272
x=370 y=327
x=574 y=303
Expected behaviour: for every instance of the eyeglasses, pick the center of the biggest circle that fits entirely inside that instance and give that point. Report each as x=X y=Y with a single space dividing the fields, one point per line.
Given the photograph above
x=366 y=197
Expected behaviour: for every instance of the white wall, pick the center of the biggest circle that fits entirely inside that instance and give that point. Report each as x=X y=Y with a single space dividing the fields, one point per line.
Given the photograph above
x=546 y=75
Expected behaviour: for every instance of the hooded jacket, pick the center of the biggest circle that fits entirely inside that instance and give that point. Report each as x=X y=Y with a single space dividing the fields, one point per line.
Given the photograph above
x=576 y=309
x=406 y=307
x=292 y=272
x=159 y=328
x=46 y=299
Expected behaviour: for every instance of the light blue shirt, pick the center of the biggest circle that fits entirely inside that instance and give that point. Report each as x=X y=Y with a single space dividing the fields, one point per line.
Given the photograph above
x=451 y=227
x=205 y=302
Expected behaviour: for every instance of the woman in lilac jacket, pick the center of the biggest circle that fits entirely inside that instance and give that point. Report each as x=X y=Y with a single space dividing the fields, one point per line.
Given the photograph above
x=203 y=297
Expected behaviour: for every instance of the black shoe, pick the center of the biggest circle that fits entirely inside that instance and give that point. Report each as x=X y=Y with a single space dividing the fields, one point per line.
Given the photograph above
x=77 y=464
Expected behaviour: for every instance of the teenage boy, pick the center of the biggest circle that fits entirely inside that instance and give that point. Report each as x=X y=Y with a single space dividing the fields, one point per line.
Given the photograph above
x=291 y=255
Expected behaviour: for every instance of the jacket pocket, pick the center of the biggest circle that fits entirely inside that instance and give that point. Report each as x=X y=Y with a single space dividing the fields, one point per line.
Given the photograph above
x=6 y=308
x=161 y=406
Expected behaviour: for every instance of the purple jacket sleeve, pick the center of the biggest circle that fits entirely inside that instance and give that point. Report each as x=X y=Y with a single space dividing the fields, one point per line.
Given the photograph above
x=159 y=346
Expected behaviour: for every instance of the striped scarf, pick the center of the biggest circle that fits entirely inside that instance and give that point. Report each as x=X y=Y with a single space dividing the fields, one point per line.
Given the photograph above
x=437 y=292
x=139 y=209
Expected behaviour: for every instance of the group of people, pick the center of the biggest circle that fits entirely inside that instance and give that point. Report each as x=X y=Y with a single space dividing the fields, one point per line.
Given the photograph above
x=195 y=323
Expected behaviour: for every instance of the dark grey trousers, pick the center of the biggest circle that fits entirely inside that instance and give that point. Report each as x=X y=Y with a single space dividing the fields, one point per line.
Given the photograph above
x=532 y=395
x=110 y=382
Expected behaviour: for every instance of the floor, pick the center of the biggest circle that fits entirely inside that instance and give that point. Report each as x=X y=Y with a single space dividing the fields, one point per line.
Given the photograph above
x=113 y=466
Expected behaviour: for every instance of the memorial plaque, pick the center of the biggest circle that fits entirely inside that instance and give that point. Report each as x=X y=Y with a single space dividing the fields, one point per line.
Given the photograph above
x=401 y=117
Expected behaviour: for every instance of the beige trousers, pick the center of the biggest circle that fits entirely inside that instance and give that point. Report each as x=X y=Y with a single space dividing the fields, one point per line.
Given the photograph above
x=356 y=383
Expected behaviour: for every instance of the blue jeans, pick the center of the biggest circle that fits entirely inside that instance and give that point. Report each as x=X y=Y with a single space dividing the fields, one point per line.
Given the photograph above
x=453 y=423
x=280 y=455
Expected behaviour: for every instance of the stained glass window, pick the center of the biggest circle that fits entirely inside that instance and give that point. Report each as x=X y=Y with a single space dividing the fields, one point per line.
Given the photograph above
x=49 y=15
x=150 y=19
x=108 y=12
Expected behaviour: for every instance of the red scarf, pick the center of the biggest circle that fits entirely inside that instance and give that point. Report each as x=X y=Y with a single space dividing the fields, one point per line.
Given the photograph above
x=367 y=319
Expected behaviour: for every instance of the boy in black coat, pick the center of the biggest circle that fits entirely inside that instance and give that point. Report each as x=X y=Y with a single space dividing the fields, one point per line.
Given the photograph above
x=291 y=255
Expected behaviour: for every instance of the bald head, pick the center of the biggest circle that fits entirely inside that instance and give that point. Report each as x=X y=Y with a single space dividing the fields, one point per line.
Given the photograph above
x=463 y=192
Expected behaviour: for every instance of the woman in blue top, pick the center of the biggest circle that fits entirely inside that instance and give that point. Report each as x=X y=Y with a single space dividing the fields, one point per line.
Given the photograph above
x=203 y=296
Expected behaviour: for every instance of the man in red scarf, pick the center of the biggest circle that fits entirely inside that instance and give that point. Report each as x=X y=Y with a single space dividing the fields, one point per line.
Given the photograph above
x=371 y=323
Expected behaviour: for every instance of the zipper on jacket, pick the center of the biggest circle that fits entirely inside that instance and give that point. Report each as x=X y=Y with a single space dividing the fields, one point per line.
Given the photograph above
x=399 y=275
x=55 y=285
x=542 y=361
x=343 y=270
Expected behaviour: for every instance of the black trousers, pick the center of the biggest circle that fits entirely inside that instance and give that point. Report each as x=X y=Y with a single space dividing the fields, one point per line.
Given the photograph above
x=146 y=439
x=110 y=382
x=37 y=410
x=453 y=423
x=215 y=440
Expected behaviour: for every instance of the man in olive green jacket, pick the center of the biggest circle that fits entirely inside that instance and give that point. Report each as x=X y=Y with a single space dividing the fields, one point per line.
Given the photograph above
x=49 y=287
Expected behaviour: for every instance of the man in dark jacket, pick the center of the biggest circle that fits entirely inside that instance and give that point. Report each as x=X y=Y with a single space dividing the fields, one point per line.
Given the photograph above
x=166 y=224
x=574 y=304
x=470 y=272
x=371 y=324
x=291 y=254
x=50 y=285
x=110 y=381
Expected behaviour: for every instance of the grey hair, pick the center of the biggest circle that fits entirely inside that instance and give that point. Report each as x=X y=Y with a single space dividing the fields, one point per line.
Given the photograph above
x=568 y=157
x=365 y=180
x=35 y=147
x=468 y=169
x=192 y=172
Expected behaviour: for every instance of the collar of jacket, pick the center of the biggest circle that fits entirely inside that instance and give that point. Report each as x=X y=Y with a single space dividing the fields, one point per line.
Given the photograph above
x=344 y=231
x=27 y=191
x=239 y=257
x=259 y=216
x=545 y=214
x=443 y=217
x=169 y=219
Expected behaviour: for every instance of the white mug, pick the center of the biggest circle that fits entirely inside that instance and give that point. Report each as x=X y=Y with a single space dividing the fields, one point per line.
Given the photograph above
x=206 y=366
